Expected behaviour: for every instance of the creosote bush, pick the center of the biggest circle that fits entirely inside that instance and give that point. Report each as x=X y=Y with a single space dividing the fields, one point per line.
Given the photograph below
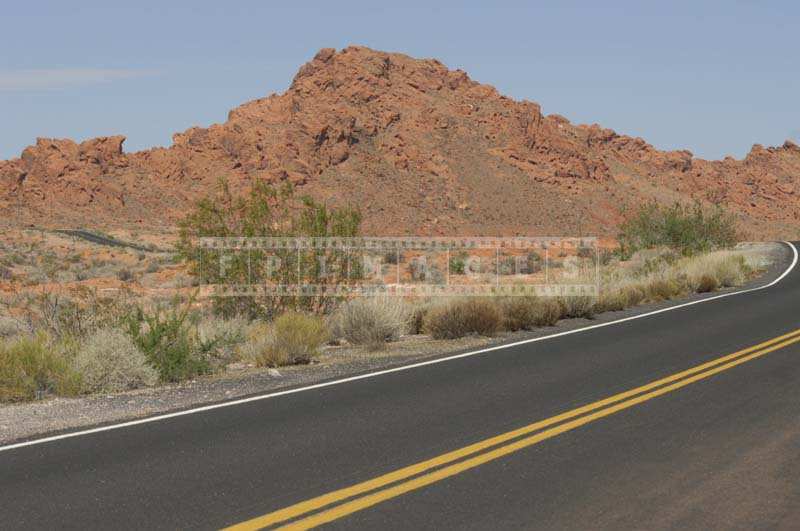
x=460 y=317
x=110 y=362
x=266 y=211
x=372 y=321
x=166 y=339
x=686 y=229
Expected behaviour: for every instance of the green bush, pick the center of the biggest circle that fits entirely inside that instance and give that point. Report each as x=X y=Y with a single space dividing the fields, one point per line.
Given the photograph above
x=110 y=362
x=687 y=229
x=457 y=263
x=165 y=338
x=461 y=317
x=372 y=321
x=293 y=338
x=31 y=366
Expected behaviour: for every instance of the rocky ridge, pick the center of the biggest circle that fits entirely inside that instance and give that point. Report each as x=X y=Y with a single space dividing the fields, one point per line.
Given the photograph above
x=420 y=148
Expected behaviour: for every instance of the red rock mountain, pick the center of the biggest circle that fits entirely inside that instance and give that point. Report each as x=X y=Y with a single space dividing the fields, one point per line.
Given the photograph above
x=421 y=149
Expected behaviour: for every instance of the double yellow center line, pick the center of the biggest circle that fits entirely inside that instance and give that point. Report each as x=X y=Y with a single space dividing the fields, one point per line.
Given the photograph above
x=324 y=509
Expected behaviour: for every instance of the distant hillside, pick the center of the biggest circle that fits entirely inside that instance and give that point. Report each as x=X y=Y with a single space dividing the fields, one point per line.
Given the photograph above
x=421 y=149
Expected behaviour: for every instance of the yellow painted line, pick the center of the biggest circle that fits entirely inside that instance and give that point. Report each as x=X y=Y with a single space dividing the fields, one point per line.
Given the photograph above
x=299 y=509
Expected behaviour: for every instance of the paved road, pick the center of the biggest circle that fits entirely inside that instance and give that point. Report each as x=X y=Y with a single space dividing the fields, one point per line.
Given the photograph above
x=717 y=447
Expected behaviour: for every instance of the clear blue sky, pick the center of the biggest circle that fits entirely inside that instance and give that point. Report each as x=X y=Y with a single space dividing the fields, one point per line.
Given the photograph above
x=712 y=77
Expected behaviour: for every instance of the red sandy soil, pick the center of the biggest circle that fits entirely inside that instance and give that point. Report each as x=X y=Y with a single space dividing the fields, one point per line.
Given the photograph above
x=419 y=148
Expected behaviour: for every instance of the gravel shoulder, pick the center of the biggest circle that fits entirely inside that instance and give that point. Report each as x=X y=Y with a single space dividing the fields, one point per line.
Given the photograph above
x=30 y=420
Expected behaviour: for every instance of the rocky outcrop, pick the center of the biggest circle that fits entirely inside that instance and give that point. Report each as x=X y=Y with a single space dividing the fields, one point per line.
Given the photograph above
x=419 y=148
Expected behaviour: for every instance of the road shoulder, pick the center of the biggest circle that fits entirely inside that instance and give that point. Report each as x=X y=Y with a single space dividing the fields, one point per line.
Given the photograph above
x=20 y=422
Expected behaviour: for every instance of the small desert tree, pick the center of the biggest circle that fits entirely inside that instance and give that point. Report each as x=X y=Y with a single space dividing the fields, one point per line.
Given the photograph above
x=267 y=211
x=688 y=229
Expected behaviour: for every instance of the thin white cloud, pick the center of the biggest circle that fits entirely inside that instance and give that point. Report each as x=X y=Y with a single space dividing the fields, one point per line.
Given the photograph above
x=60 y=78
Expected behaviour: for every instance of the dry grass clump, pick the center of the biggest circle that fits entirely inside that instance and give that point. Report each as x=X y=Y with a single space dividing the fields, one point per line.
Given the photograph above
x=661 y=288
x=526 y=313
x=657 y=275
x=372 y=321
x=611 y=301
x=293 y=338
x=460 y=317
x=110 y=362
x=727 y=268
x=31 y=367
x=578 y=306
x=706 y=283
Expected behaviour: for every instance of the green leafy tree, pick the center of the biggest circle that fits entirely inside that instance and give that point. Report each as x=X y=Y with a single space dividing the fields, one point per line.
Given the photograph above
x=266 y=211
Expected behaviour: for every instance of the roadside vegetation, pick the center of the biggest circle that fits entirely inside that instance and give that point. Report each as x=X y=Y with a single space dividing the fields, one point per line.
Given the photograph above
x=81 y=340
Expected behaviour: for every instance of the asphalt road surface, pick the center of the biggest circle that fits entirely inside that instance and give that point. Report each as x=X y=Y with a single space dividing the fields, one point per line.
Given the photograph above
x=685 y=419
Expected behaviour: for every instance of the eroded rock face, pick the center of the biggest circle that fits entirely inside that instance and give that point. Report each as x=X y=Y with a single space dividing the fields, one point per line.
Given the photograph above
x=411 y=143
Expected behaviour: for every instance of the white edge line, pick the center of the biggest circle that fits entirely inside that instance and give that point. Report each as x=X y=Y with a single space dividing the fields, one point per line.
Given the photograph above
x=388 y=371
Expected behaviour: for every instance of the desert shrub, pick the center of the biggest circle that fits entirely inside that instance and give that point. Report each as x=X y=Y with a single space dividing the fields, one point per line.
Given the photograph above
x=687 y=229
x=9 y=327
x=218 y=338
x=109 y=361
x=656 y=260
x=125 y=275
x=526 y=313
x=576 y=306
x=662 y=288
x=392 y=257
x=165 y=337
x=372 y=321
x=419 y=269
x=152 y=267
x=533 y=262
x=706 y=283
x=634 y=294
x=292 y=339
x=266 y=211
x=457 y=263
x=731 y=271
x=550 y=312
x=725 y=268
x=30 y=366
x=75 y=314
x=611 y=301
x=417 y=319
x=461 y=317
x=6 y=273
